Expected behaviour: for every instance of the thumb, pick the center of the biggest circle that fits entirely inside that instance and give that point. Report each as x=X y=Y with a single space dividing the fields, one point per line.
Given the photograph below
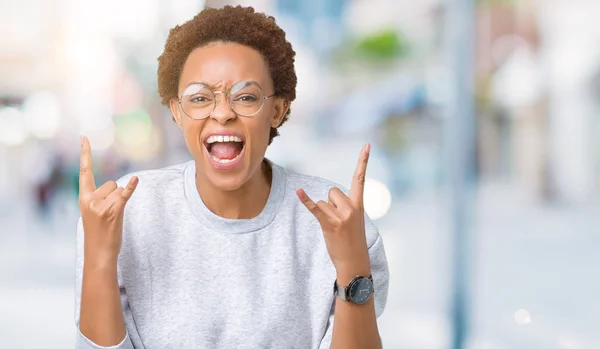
x=310 y=205
x=130 y=188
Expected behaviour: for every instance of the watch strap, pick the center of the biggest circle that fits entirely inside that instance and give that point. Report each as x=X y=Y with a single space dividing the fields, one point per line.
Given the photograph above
x=342 y=291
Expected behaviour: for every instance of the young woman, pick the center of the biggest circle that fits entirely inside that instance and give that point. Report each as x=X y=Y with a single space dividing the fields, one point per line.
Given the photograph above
x=228 y=250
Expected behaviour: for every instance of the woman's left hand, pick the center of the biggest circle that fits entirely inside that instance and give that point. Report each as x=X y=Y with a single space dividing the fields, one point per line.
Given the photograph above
x=342 y=220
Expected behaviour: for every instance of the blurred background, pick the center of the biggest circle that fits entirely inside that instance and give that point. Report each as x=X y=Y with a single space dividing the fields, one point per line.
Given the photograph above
x=485 y=171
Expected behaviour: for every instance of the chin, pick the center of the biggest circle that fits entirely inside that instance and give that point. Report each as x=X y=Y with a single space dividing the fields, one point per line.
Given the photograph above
x=226 y=182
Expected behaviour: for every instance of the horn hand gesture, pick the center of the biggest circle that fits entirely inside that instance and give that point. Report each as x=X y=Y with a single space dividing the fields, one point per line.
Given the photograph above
x=102 y=211
x=343 y=223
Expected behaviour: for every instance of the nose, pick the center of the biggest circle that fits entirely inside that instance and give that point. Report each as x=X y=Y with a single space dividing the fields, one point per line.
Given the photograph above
x=223 y=112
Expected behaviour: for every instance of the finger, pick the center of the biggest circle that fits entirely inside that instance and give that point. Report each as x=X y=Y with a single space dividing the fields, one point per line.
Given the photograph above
x=130 y=188
x=338 y=199
x=311 y=206
x=329 y=210
x=358 y=181
x=115 y=198
x=86 y=175
x=105 y=190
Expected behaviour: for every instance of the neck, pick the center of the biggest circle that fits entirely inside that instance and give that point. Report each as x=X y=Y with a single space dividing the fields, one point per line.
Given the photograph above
x=245 y=202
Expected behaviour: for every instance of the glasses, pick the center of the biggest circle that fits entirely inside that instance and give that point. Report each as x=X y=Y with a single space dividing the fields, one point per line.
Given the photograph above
x=245 y=98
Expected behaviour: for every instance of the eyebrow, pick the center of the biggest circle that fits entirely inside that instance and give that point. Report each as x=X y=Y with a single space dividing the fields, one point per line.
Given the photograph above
x=200 y=83
x=212 y=87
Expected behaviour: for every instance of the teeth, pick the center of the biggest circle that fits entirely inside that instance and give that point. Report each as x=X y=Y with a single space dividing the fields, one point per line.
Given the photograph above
x=221 y=139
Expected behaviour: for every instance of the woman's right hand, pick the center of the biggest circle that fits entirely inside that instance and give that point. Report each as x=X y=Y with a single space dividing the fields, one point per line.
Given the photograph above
x=101 y=211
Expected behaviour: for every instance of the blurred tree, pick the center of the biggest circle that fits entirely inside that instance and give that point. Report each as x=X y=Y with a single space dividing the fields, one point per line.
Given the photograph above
x=374 y=51
x=385 y=45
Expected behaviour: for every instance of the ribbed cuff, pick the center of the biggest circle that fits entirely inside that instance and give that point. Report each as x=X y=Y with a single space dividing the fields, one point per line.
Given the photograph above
x=84 y=343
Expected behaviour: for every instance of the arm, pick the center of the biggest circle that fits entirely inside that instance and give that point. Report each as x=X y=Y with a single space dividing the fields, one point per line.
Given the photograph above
x=101 y=318
x=98 y=303
x=99 y=315
x=355 y=326
x=353 y=331
x=345 y=226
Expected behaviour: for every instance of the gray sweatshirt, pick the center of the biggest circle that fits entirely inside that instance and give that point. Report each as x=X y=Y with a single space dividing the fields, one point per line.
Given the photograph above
x=192 y=279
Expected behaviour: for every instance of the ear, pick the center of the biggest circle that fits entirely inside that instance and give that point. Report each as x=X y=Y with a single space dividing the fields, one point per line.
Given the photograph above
x=176 y=111
x=280 y=108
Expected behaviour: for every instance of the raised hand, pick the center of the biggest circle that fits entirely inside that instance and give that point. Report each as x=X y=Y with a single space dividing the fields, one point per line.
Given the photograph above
x=343 y=222
x=101 y=211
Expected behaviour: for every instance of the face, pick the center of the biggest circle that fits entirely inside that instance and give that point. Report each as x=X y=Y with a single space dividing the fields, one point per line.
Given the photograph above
x=228 y=165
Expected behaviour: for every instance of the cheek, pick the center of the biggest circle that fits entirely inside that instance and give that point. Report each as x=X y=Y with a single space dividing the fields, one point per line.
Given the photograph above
x=191 y=133
x=261 y=131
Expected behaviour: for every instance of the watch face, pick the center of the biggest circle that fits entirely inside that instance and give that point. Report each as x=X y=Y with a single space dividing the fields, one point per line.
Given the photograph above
x=360 y=290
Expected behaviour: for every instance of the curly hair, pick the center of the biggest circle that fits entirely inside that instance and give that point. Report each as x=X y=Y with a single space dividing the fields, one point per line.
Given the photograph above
x=240 y=25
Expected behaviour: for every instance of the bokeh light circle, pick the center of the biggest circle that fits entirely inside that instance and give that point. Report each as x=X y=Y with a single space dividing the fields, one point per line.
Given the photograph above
x=377 y=198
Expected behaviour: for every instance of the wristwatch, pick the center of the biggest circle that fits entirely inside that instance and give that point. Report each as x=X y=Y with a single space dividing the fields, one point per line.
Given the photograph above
x=358 y=291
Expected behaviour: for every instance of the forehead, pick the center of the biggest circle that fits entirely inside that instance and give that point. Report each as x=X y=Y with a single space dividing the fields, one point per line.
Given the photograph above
x=221 y=65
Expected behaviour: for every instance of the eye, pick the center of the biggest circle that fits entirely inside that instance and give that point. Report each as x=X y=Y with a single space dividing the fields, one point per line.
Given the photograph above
x=246 y=98
x=199 y=99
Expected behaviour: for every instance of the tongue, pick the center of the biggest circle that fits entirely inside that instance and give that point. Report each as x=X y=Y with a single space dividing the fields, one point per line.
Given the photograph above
x=226 y=151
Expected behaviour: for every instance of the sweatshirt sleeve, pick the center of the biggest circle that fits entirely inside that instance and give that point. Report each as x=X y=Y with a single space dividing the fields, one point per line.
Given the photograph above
x=81 y=341
x=381 y=276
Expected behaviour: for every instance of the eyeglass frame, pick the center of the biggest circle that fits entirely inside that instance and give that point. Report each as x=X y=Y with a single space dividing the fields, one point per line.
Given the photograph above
x=228 y=95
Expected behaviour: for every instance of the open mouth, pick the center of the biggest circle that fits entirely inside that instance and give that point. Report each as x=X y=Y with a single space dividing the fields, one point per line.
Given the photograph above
x=224 y=149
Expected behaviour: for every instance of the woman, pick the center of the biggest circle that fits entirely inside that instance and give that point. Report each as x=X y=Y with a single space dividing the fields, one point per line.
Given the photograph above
x=219 y=252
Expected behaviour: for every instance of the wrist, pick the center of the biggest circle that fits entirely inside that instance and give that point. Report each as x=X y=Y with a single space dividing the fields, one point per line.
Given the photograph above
x=100 y=263
x=347 y=273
